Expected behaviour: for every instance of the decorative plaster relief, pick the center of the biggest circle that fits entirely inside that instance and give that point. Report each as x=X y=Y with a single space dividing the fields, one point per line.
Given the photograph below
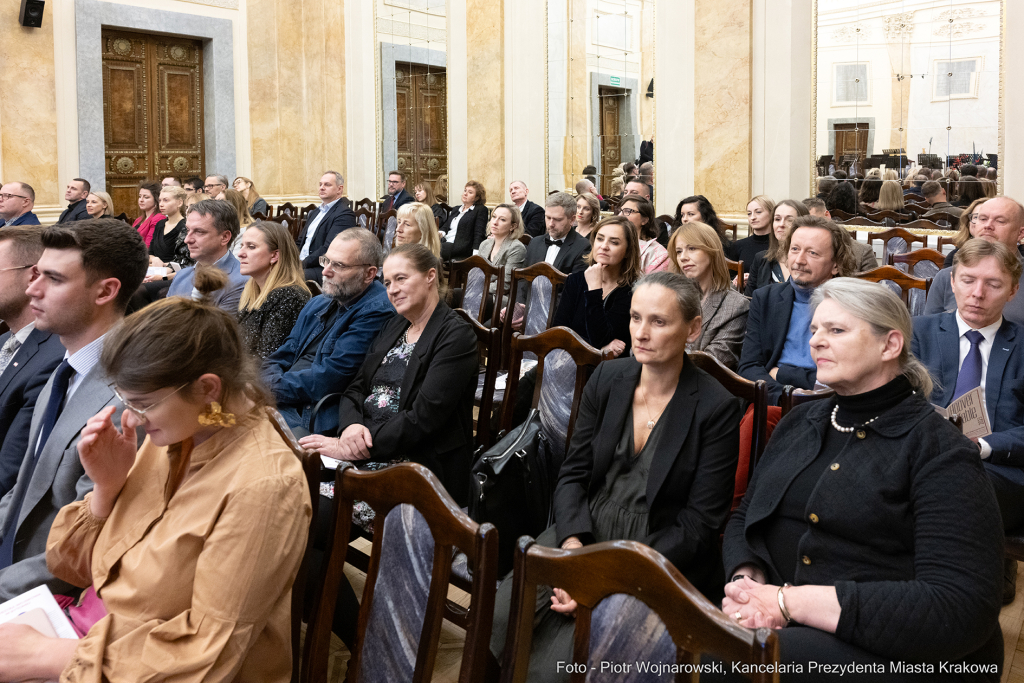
x=953 y=15
x=899 y=26
x=850 y=33
x=957 y=30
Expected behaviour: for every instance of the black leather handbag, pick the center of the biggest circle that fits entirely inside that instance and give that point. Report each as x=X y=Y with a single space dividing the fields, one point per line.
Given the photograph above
x=512 y=486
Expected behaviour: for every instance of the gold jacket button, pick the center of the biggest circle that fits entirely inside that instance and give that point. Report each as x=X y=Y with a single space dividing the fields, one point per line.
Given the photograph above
x=834 y=466
x=813 y=518
x=861 y=434
x=806 y=560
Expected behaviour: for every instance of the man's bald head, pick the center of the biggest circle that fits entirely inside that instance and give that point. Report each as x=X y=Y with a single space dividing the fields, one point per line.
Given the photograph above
x=1000 y=219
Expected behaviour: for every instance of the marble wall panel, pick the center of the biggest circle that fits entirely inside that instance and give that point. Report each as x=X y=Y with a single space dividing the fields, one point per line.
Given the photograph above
x=577 y=133
x=485 y=101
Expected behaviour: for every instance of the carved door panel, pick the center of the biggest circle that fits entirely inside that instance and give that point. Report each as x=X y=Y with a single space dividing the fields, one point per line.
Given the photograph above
x=852 y=139
x=152 y=112
x=611 y=142
x=422 y=145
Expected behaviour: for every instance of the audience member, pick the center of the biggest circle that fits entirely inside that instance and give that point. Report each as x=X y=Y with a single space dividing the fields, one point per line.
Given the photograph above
x=27 y=356
x=770 y=266
x=75 y=195
x=503 y=247
x=441 y=188
x=696 y=252
x=324 y=223
x=890 y=174
x=844 y=198
x=616 y=188
x=533 y=215
x=195 y=198
x=640 y=214
x=276 y=291
x=646 y=151
x=776 y=348
x=988 y=187
x=965 y=229
x=170 y=181
x=588 y=213
x=863 y=255
x=969 y=189
x=986 y=275
x=146 y=223
x=169 y=234
x=202 y=589
x=210 y=228
x=646 y=170
x=890 y=197
x=845 y=534
x=869 y=194
x=760 y=210
x=193 y=185
x=16 y=203
x=416 y=225
x=997 y=220
x=254 y=203
x=87 y=272
x=638 y=188
x=698 y=209
x=915 y=187
x=590 y=173
x=397 y=196
x=423 y=192
x=99 y=205
x=840 y=175
x=632 y=472
x=825 y=186
x=935 y=195
x=215 y=184
x=328 y=342
x=235 y=199
x=969 y=170
x=466 y=228
x=585 y=186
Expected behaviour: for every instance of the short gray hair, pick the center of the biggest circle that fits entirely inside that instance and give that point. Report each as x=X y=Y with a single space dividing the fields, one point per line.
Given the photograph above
x=337 y=176
x=562 y=199
x=221 y=179
x=520 y=182
x=875 y=304
x=686 y=291
x=370 y=250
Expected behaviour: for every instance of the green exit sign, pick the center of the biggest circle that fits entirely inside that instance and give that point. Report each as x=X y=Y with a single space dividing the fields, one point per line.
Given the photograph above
x=616 y=80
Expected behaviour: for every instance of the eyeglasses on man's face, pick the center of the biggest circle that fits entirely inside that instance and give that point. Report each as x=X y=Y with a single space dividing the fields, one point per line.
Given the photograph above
x=326 y=263
x=139 y=411
x=5 y=197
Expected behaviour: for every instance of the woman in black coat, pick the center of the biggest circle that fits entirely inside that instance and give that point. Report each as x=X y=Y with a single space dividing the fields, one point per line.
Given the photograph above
x=652 y=459
x=466 y=228
x=870 y=530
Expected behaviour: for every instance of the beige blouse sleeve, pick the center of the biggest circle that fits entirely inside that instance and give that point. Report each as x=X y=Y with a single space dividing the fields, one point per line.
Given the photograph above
x=70 y=543
x=248 y=562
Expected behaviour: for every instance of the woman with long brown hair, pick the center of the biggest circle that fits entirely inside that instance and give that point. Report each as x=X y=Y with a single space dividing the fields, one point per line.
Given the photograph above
x=253 y=201
x=146 y=223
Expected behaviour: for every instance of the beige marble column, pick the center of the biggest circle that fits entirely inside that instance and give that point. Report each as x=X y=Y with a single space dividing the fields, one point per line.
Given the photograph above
x=646 y=69
x=577 y=136
x=28 y=107
x=722 y=114
x=485 y=97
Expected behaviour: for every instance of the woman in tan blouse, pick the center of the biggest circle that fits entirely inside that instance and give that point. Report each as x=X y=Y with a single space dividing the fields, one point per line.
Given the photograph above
x=193 y=542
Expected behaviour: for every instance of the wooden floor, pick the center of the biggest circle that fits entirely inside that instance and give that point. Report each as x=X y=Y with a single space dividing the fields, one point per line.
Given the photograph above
x=449 y=656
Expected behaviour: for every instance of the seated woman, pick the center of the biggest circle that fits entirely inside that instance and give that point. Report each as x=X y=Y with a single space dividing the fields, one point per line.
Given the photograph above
x=169 y=233
x=760 y=210
x=466 y=228
x=847 y=534
x=146 y=223
x=869 y=194
x=697 y=209
x=770 y=266
x=99 y=204
x=844 y=198
x=588 y=213
x=415 y=225
x=253 y=201
x=696 y=252
x=890 y=197
x=235 y=199
x=969 y=189
x=640 y=213
x=423 y=192
x=632 y=471
x=503 y=247
x=201 y=588
x=276 y=291
x=964 y=231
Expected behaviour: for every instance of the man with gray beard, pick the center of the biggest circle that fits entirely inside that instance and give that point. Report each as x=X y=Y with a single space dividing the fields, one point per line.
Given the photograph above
x=327 y=345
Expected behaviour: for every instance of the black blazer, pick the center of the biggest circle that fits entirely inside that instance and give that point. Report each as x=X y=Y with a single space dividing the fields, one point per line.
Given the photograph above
x=767 y=326
x=570 y=256
x=760 y=274
x=907 y=529
x=533 y=219
x=20 y=385
x=396 y=201
x=434 y=423
x=340 y=217
x=692 y=475
x=471 y=231
x=74 y=212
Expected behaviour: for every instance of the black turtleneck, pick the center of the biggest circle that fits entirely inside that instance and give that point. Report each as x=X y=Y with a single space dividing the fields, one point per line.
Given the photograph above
x=790 y=522
x=747 y=248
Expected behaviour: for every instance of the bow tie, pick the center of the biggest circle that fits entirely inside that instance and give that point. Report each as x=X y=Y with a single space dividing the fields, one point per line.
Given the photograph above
x=552 y=243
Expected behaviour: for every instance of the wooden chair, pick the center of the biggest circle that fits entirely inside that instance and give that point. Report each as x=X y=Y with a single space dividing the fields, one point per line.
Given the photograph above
x=304 y=211
x=417 y=528
x=314 y=287
x=792 y=397
x=618 y=586
x=888 y=217
x=842 y=215
x=474 y=275
x=863 y=222
x=525 y=239
x=754 y=393
x=365 y=218
x=540 y=284
x=736 y=267
x=489 y=343
x=365 y=203
x=260 y=216
x=912 y=258
x=943 y=241
x=292 y=223
x=923 y=224
x=900 y=282
x=896 y=241
x=286 y=209
x=731 y=228
x=944 y=218
x=384 y=229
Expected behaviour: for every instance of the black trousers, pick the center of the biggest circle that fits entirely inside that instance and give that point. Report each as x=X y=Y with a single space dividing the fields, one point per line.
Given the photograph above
x=1010 y=497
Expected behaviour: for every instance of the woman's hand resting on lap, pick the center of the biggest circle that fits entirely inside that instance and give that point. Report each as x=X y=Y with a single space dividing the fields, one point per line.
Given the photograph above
x=353 y=444
x=560 y=601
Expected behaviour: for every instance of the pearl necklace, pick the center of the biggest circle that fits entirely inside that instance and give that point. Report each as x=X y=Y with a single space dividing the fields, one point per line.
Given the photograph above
x=848 y=430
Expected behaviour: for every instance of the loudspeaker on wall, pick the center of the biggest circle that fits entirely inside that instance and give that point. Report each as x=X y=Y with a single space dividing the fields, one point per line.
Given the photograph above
x=31 y=13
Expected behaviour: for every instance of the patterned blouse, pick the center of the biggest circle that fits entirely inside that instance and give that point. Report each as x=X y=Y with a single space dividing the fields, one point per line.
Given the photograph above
x=653 y=256
x=381 y=403
x=264 y=329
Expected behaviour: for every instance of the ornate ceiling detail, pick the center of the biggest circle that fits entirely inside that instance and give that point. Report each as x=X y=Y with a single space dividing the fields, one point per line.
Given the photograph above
x=850 y=33
x=953 y=15
x=898 y=26
x=957 y=30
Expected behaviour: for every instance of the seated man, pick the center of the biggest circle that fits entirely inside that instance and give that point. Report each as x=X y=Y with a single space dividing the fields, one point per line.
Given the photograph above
x=777 y=345
x=16 y=203
x=1000 y=219
x=324 y=223
x=193 y=185
x=27 y=356
x=825 y=186
x=327 y=345
x=215 y=184
x=913 y=192
x=976 y=346
x=397 y=197
x=75 y=195
x=863 y=255
x=211 y=226
x=935 y=195
x=87 y=273
x=533 y=215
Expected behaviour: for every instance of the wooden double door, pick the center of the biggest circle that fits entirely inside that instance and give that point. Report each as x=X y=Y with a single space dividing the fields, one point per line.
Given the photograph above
x=851 y=140
x=421 y=96
x=152 y=112
x=612 y=102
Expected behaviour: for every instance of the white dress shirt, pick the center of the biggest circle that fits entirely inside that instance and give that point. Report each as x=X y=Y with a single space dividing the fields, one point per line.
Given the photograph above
x=985 y=348
x=81 y=361
x=313 y=225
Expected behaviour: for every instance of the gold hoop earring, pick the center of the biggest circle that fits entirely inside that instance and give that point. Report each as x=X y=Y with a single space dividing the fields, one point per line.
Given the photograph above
x=212 y=416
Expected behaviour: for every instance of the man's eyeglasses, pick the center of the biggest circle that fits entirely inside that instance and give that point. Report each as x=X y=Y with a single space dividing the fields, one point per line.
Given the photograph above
x=5 y=197
x=141 y=412
x=4 y=270
x=978 y=218
x=210 y=187
x=338 y=265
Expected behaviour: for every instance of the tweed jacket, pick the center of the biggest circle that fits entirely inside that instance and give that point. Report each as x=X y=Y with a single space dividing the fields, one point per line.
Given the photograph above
x=723 y=325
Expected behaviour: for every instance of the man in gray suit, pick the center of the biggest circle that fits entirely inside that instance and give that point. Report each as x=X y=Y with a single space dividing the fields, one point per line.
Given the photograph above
x=87 y=273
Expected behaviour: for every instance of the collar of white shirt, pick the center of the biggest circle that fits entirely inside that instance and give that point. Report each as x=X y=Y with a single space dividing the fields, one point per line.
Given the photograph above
x=988 y=332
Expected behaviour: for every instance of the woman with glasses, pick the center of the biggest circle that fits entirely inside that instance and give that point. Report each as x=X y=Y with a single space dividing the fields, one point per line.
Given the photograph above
x=191 y=541
x=770 y=266
x=640 y=213
x=968 y=219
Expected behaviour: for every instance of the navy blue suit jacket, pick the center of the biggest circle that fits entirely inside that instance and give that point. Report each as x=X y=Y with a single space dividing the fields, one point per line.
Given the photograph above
x=20 y=385
x=397 y=201
x=76 y=211
x=937 y=344
x=767 y=327
x=340 y=217
x=24 y=219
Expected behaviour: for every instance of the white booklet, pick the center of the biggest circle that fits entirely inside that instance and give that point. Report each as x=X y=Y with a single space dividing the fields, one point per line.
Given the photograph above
x=39 y=598
x=971 y=409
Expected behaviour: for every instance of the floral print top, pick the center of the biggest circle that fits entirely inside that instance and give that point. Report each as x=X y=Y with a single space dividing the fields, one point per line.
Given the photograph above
x=381 y=403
